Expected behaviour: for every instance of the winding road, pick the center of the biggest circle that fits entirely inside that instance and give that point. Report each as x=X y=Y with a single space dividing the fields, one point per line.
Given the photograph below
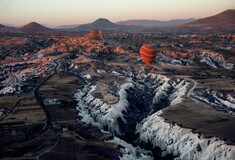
x=40 y=101
x=190 y=92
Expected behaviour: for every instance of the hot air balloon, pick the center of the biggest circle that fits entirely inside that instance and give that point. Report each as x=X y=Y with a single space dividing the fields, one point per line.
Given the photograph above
x=148 y=53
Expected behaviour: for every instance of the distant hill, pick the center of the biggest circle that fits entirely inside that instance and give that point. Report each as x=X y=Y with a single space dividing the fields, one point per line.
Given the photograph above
x=156 y=23
x=222 y=21
x=34 y=27
x=100 y=23
x=105 y=24
x=67 y=26
x=10 y=25
x=1 y=26
x=4 y=28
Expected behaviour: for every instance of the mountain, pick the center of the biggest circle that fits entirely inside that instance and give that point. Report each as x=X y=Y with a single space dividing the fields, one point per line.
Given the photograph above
x=100 y=23
x=105 y=24
x=34 y=27
x=155 y=23
x=222 y=21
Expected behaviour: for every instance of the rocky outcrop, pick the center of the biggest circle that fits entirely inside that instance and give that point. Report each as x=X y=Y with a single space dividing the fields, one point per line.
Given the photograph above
x=95 y=34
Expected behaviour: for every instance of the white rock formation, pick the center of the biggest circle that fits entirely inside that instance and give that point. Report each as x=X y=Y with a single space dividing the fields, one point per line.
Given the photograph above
x=95 y=111
x=129 y=152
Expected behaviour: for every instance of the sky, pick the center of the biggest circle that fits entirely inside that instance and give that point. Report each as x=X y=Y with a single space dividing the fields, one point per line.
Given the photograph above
x=66 y=12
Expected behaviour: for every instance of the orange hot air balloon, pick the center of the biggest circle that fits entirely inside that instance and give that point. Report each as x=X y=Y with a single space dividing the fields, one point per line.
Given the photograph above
x=148 y=53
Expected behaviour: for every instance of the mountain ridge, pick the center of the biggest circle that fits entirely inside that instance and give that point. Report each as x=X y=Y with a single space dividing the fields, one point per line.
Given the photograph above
x=224 y=21
x=155 y=23
x=105 y=24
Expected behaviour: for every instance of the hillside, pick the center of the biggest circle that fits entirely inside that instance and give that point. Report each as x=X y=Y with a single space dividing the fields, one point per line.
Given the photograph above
x=221 y=21
x=4 y=28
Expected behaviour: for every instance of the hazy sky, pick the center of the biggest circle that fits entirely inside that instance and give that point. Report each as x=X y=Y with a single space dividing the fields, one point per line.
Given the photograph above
x=60 y=12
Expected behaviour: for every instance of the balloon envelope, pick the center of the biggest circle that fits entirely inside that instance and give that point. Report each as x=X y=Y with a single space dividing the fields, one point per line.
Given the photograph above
x=148 y=53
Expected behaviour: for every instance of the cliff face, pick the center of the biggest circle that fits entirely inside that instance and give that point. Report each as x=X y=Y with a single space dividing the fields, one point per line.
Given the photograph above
x=181 y=142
